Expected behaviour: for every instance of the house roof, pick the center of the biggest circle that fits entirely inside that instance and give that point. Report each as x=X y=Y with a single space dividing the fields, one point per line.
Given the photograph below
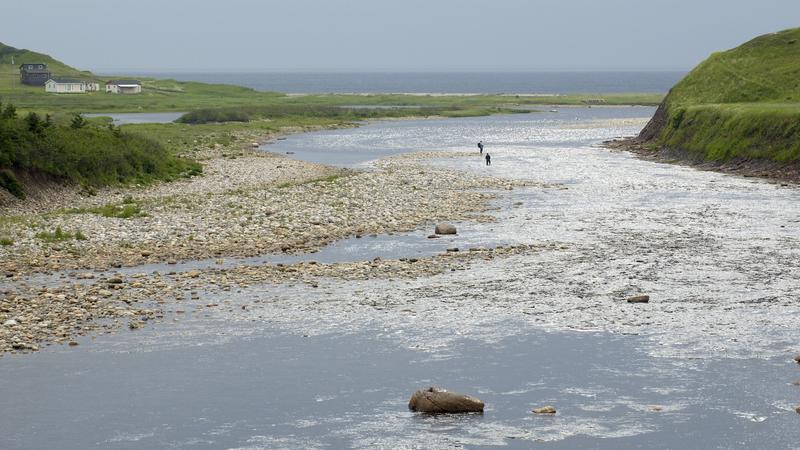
x=124 y=82
x=25 y=68
x=60 y=80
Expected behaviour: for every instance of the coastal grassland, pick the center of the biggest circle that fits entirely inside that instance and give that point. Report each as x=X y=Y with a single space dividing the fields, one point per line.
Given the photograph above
x=769 y=131
x=741 y=104
x=296 y=113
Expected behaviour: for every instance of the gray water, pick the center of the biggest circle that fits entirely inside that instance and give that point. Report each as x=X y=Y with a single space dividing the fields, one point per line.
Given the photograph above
x=439 y=82
x=333 y=366
x=360 y=146
x=133 y=118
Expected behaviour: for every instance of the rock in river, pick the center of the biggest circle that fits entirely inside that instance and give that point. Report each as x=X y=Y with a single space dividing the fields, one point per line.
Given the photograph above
x=544 y=410
x=639 y=299
x=445 y=228
x=435 y=400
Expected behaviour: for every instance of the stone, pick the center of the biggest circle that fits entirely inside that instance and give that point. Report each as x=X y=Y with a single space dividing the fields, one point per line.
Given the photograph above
x=73 y=344
x=452 y=249
x=146 y=253
x=115 y=280
x=193 y=273
x=797 y=359
x=639 y=299
x=544 y=410
x=797 y=410
x=445 y=228
x=434 y=400
x=10 y=323
x=433 y=236
x=104 y=293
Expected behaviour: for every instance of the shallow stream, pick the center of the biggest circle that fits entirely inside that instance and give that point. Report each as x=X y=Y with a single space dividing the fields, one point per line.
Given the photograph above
x=706 y=364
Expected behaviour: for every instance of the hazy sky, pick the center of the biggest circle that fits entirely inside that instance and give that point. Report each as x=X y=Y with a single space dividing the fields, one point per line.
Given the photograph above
x=231 y=35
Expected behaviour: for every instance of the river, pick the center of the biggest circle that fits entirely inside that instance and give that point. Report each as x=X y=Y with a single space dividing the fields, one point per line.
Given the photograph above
x=706 y=364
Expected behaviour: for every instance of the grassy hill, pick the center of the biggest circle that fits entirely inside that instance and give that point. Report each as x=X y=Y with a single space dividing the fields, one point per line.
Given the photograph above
x=9 y=73
x=741 y=103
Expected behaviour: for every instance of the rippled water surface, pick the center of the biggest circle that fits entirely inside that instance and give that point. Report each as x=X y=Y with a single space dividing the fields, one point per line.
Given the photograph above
x=706 y=364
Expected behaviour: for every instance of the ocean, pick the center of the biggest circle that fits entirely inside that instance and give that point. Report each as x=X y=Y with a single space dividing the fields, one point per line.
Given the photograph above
x=439 y=82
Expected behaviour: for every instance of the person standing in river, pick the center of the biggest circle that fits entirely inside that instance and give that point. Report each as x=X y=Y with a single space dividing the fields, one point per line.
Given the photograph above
x=480 y=146
x=488 y=160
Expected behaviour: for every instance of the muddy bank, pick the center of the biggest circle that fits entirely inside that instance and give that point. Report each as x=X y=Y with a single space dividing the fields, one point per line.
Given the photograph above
x=760 y=168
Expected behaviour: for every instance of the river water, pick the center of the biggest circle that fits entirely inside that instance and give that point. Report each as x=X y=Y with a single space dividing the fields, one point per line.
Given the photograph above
x=706 y=364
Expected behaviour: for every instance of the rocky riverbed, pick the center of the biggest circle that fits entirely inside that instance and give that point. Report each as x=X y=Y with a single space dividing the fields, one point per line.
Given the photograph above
x=256 y=204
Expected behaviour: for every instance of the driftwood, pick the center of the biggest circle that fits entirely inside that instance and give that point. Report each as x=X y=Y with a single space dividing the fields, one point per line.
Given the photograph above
x=434 y=400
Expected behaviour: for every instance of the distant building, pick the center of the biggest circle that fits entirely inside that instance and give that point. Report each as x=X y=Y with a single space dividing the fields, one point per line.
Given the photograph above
x=124 y=86
x=35 y=74
x=92 y=86
x=65 y=86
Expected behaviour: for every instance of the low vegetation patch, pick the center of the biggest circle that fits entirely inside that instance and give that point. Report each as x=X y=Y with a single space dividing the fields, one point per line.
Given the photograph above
x=331 y=112
x=126 y=210
x=5 y=242
x=59 y=235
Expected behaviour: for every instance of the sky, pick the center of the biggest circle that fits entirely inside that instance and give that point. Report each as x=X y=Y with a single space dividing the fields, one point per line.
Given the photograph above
x=388 y=35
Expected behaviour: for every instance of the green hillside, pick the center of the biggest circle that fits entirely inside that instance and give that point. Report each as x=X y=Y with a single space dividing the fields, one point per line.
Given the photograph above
x=10 y=72
x=741 y=103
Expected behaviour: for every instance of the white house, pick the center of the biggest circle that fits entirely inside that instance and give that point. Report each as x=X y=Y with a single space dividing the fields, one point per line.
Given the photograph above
x=124 y=86
x=65 y=86
x=92 y=86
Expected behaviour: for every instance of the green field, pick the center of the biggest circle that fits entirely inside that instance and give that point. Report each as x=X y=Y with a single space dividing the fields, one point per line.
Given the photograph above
x=742 y=103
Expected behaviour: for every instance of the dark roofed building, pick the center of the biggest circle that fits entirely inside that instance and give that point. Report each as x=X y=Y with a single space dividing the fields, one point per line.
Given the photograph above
x=34 y=74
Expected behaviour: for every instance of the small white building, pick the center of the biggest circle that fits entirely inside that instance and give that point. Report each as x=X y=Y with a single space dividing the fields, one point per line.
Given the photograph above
x=124 y=86
x=92 y=86
x=65 y=86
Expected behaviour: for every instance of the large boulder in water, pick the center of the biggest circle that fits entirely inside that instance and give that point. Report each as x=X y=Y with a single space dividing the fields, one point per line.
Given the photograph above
x=435 y=400
x=445 y=228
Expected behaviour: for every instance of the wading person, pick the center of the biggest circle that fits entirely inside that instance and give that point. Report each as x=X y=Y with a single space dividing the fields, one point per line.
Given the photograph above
x=488 y=160
x=480 y=146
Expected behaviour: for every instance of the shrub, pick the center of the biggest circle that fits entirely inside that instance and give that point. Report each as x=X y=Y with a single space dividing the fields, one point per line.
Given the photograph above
x=9 y=182
x=88 y=155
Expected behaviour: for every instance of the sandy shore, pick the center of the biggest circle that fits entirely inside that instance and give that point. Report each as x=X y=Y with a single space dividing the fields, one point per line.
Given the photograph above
x=255 y=204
